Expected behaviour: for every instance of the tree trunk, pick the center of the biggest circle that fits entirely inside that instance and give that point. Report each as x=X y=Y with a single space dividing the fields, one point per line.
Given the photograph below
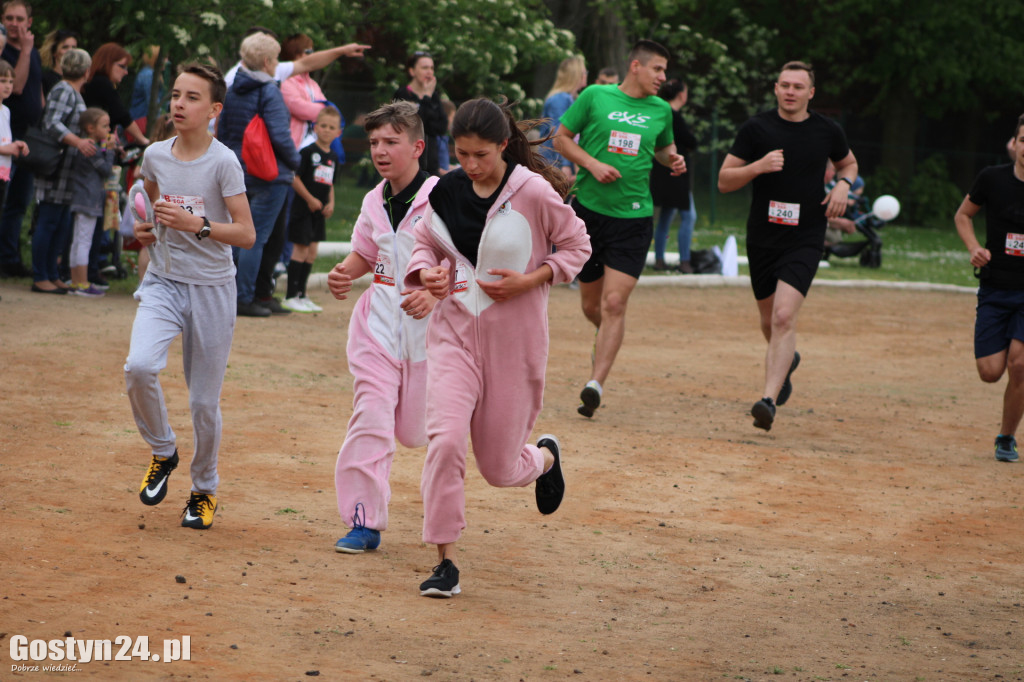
x=899 y=133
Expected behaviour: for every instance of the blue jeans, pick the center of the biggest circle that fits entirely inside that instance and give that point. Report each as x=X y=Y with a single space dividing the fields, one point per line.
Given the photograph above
x=53 y=229
x=19 y=194
x=685 y=237
x=265 y=203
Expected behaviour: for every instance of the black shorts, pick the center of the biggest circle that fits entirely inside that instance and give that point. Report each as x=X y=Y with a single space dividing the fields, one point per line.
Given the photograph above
x=1000 y=319
x=618 y=243
x=306 y=228
x=795 y=266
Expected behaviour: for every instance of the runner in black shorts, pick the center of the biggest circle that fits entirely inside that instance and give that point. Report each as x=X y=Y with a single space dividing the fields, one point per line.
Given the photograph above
x=622 y=130
x=783 y=152
x=999 y=327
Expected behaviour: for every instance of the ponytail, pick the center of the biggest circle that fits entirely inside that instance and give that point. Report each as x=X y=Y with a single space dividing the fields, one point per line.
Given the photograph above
x=495 y=123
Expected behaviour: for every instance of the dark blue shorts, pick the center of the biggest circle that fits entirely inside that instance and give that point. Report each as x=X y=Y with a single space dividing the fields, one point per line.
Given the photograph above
x=1000 y=320
x=794 y=266
x=618 y=243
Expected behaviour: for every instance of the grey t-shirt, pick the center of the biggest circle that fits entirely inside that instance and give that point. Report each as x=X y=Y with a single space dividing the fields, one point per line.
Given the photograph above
x=199 y=186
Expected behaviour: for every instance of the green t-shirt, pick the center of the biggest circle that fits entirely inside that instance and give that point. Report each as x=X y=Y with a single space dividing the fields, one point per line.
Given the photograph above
x=621 y=131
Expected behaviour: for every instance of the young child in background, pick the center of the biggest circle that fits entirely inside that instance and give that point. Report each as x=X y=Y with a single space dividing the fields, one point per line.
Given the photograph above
x=9 y=147
x=501 y=223
x=312 y=206
x=387 y=335
x=198 y=192
x=164 y=130
x=88 y=196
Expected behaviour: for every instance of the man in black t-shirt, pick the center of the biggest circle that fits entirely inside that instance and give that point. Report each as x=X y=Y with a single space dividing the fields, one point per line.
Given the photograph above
x=783 y=152
x=999 y=325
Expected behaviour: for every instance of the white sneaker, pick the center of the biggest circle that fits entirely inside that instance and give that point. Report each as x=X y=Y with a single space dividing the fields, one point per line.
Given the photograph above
x=296 y=305
x=310 y=306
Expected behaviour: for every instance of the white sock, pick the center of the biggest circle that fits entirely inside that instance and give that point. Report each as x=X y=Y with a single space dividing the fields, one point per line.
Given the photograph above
x=594 y=384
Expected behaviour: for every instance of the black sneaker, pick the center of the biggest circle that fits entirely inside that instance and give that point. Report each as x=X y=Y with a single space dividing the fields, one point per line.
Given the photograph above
x=444 y=583
x=590 y=399
x=274 y=306
x=787 y=385
x=763 y=413
x=154 y=485
x=252 y=309
x=550 y=487
x=1006 y=449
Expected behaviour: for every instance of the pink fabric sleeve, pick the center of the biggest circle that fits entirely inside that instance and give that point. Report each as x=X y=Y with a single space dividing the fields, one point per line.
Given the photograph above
x=295 y=91
x=566 y=231
x=424 y=253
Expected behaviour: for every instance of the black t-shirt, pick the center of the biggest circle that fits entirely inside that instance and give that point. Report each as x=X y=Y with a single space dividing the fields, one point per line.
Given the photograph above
x=462 y=210
x=100 y=92
x=1002 y=195
x=786 y=209
x=397 y=205
x=26 y=108
x=674 y=190
x=316 y=171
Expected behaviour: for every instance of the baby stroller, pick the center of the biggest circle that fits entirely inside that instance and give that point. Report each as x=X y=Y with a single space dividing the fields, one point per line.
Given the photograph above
x=884 y=209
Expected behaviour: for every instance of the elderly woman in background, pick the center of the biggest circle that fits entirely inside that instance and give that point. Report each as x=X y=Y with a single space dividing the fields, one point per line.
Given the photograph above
x=254 y=91
x=109 y=67
x=60 y=121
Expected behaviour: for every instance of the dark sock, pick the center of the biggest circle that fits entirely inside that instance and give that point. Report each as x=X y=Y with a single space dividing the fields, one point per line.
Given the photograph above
x=294 y=275
x=304 y=277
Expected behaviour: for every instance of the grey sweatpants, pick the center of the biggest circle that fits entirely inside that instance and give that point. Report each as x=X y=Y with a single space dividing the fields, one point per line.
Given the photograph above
x=205 y=318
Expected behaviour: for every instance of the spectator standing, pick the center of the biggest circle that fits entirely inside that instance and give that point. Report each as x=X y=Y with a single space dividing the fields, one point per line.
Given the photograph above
x=253 y=93
x=89 y=176
x=56 y=43
x=142 y=88
x=26 y=105
x=64 y=106
x=672 y=193
x=571 y=78
x=109 y=67
x=422 y=90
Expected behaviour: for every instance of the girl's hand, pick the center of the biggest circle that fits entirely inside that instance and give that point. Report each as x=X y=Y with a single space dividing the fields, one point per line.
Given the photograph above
x=511 y=284
x=144 y=233
x=435 y=280
x=22 y=148
x=339 y=282
x=417 y=303
x=314 y=204
x=328 y=209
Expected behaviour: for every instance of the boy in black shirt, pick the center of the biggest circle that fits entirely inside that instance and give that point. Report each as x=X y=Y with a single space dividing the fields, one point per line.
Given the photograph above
x=783 y=153
x=313 y=204
x=999 y=326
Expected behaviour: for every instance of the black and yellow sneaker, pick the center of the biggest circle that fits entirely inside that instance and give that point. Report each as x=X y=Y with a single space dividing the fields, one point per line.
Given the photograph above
x=154 y=485
x=198 y=512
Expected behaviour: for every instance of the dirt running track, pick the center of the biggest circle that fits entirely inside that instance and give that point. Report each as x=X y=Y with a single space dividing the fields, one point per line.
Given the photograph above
x=870 y=536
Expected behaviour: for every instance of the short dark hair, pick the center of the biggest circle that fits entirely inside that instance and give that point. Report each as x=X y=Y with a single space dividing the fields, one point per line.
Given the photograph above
x=1020 y=124
x=799 y=66
x=609 y=72
x=329 y=111
x=671 y=88
x=643 y=50
x=415 y=57
x=212 y=75
x=403 y=116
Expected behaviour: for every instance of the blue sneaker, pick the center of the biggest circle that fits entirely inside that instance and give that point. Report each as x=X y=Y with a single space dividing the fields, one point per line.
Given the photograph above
x=360 y=538
x=1006 y=449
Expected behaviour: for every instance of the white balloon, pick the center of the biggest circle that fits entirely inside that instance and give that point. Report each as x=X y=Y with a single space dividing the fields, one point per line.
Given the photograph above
x=886 y=207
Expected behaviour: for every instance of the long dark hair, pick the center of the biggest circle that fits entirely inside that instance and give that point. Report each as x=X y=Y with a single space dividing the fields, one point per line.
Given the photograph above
x=495 y=123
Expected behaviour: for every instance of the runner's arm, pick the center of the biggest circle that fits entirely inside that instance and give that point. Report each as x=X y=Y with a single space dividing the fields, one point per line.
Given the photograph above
x=964 y=220
x=736 y=173
x=846 y=169
x=568 y=147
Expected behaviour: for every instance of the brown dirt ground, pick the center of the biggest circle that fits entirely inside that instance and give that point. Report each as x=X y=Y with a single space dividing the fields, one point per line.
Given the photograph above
x=870 y=536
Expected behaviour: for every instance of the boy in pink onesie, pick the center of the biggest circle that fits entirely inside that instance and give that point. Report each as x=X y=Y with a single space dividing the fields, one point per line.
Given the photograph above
x=495 y=219
x=386 y=338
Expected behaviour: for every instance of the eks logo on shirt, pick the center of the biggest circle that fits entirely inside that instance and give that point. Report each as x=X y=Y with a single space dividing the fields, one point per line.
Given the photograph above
x=636 y=120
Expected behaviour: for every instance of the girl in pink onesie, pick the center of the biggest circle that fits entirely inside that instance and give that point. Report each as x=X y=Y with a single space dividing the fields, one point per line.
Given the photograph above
x=495 y=220
x=386 y=337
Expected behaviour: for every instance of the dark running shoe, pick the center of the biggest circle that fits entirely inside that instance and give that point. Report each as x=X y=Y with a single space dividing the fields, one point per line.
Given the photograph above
x=252 y=309
x=154 y=485
x=1006 y=449
x=763 y=413
x=444 y=583
x=787 y=385
x=590 y=399
x=273 y=305
x=550 y=487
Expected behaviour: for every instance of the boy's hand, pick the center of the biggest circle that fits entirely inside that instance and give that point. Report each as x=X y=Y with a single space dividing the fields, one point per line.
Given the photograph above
x=435 y=279
x=328 y=209
x=144 y=233
x=339 y=282
x=176 y=217
x=418 y=303
x=22 y=148
x=314 y=204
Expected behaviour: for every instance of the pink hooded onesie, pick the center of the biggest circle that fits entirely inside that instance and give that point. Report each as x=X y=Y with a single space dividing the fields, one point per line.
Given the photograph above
x=486 y=360
x=387 y=357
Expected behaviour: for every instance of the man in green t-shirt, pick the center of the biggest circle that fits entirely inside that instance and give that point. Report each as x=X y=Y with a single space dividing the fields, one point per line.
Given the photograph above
x=622 y=130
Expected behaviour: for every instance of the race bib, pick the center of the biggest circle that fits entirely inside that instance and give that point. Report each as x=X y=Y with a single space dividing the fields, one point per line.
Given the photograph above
x=324 y=175
x=1014 y=244
x=461 y=283
x=781 y=213
x=624 y=143
x=192 y=204
x=384 y=271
